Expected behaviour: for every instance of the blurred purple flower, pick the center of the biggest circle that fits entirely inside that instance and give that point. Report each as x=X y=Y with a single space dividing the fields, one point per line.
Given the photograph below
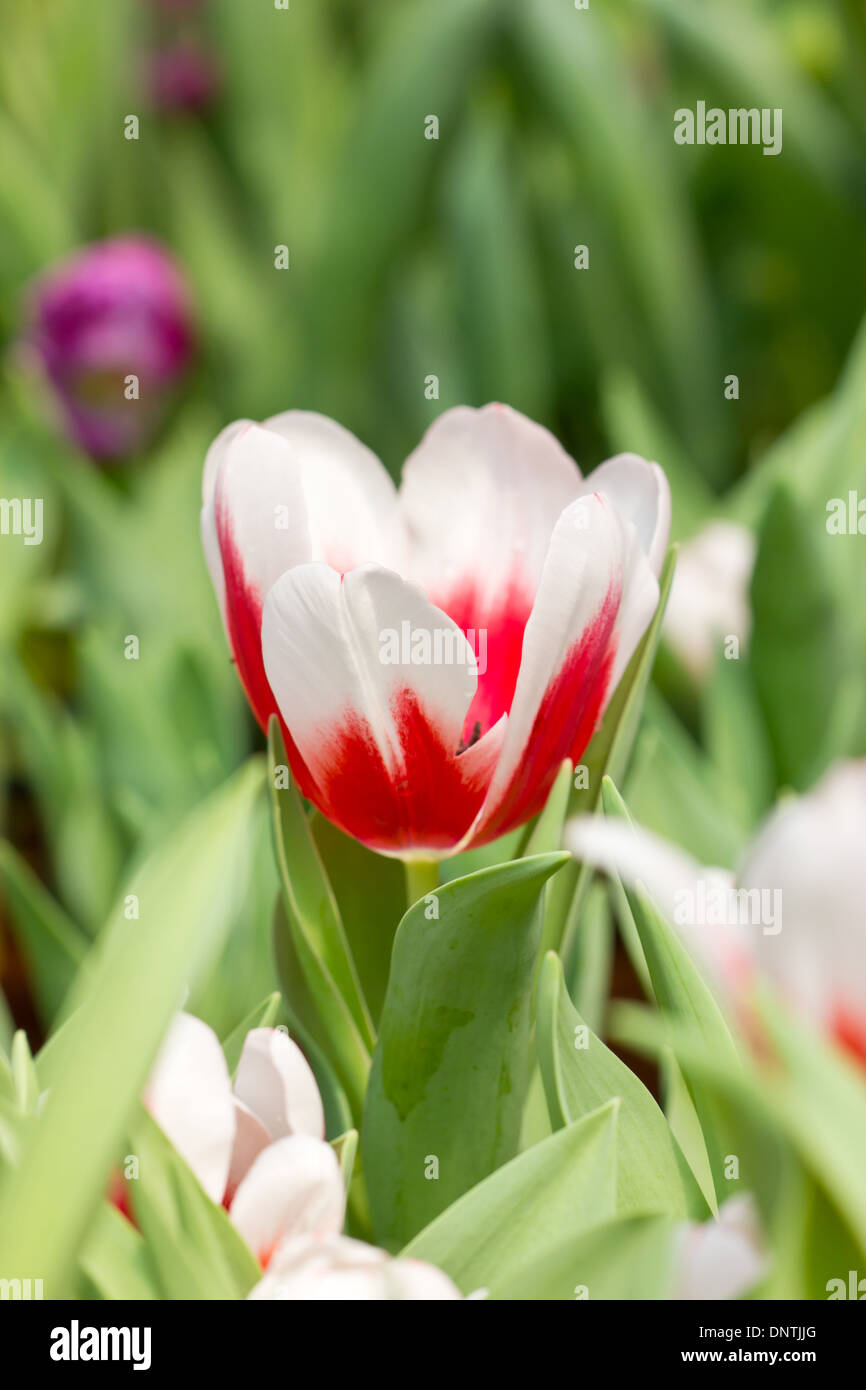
x=183 y=77
x=113 y=310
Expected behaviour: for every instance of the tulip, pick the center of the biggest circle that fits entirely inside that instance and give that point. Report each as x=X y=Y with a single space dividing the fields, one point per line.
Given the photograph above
x=337 y=1268
x=795 y=908
x=709 y=598
x=115 y=310
x=256 y=1146
x=723 y=1258
x=353 y=612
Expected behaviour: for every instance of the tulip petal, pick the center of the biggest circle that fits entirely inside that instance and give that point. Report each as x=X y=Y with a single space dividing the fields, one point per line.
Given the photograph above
x=640 y=493
x=251 y=1137
x=674 y=881
x=351 y=502
x=293 y=1188
x=810 y=850
x=373 y=683
x=569 y=650
x=261 y=527
x=274 y=1080
x=338 y=1268
x=481 y=495
x=721 y=1259
x=189 y=1095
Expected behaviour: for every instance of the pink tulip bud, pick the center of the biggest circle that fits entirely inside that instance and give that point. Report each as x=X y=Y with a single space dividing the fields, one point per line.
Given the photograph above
x=112 y=326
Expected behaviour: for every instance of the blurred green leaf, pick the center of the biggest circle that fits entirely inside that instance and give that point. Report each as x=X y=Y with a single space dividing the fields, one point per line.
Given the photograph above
x=194 y=1248
x=795 y=644
x=52 y=945
x=187 y=891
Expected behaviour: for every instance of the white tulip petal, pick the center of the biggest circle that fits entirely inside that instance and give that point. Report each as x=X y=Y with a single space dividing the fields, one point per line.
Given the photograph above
x=275 y=1081
x=189 y=1095
x=294 y=1187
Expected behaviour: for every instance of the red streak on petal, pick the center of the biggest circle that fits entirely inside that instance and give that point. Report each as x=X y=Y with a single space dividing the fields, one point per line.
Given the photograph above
x=425 y=803
x=244 y=623
x=565 y=722
x=503 y=621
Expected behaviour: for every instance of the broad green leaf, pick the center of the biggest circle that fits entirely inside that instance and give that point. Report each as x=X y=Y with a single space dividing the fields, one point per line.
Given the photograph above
x=450 y=1070
x=528 y=1209
x=627 y=1259
x=580 y=1074
x=187 y=892
x=194 y=1248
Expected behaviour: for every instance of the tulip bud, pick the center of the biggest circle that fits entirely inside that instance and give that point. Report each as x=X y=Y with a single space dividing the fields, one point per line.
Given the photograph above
x=112 y=327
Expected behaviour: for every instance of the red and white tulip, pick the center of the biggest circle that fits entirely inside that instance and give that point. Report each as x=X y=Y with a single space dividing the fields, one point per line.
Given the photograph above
x=315 y=556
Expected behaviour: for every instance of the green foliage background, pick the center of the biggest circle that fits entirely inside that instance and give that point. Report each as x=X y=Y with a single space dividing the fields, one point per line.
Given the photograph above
x=412 y=257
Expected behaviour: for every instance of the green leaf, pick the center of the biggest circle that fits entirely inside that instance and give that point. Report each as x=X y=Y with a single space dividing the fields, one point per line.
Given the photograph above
x=194 y=1248
x=24 y=1074
x=609 y=752
x=346 y=1148
x=310 y=1029
x=629 y=1259
x=318 y=939
x=187 y=892
x=370 y=890
x=795 y=644
x=736 y=739
x=453 y=1044
x=115 y=1260
x=580 y=1074
x=263 y=1015
x=680 y=990
x=528 y=1209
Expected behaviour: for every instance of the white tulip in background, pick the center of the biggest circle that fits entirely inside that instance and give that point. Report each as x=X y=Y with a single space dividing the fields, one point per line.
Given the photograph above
x=809 y=853
x=720 y=1259
x=709 y=598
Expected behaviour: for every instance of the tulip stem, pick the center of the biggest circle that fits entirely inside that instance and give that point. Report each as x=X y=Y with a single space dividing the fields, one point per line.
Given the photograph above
x=422 y=878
